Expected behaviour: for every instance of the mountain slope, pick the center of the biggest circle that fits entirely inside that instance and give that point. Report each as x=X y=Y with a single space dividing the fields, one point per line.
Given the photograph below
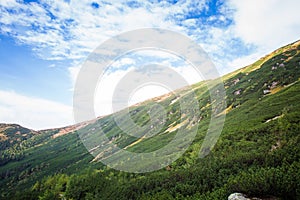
x=11 y=137
x=257 y=152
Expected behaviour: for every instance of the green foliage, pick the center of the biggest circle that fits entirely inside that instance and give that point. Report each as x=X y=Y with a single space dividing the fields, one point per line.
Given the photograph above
x=281 y=181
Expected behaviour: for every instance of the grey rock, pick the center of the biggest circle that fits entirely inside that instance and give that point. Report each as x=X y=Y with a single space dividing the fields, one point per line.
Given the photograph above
x=237 y=196
x=240 y=196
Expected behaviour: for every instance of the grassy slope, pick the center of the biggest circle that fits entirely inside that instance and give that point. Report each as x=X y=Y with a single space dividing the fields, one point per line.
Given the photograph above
x=245 y=143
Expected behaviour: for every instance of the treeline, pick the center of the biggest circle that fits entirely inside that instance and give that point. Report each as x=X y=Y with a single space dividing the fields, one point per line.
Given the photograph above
x=215 y=182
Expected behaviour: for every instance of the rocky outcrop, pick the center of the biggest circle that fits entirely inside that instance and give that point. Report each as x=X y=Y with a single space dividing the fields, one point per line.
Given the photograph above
x=237 y=196
x=240 y=196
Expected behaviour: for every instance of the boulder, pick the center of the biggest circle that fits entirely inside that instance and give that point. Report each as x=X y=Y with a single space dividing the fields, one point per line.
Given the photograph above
x=237 y=196
x=240 y=196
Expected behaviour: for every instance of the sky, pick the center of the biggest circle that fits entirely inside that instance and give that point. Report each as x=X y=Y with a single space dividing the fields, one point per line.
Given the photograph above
x=43 y=45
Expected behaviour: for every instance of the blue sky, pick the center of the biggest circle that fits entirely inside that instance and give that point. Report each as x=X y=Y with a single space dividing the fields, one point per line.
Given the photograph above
x=44 y=43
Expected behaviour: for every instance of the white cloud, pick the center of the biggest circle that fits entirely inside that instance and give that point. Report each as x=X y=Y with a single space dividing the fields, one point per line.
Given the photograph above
x=262 y=26
x=123 y=61
x=60 y=30
x=105 y=90
x=72 y=34
x=190 y=74
x=74 y=29
x=244 y=60
x=33 y=112
x=269 y=23
x=73 y=73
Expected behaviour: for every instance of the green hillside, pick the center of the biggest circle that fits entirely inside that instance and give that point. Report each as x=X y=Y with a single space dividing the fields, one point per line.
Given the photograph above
x=257 y=154
x=11 y=137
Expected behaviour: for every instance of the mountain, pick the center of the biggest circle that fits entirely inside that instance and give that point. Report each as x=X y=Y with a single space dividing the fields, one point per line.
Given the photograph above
x=256 y=154
x=12 y=139
x=11 y=134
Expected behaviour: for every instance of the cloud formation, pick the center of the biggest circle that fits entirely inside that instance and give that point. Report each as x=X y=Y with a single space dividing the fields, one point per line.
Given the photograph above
x=228 y=30
x=70 y=30
x=33 y=112
x=269 y=23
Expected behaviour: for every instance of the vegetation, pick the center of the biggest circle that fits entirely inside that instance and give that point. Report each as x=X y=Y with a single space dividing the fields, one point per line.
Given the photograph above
x=257 y=154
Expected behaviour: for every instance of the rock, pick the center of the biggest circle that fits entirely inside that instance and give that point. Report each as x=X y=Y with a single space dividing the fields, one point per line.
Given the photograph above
x=237 y=196
x=236 y=81
x=274 y=84
x=240 y=196
x=266 y=91
x=274 y=68
x=237 y=92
